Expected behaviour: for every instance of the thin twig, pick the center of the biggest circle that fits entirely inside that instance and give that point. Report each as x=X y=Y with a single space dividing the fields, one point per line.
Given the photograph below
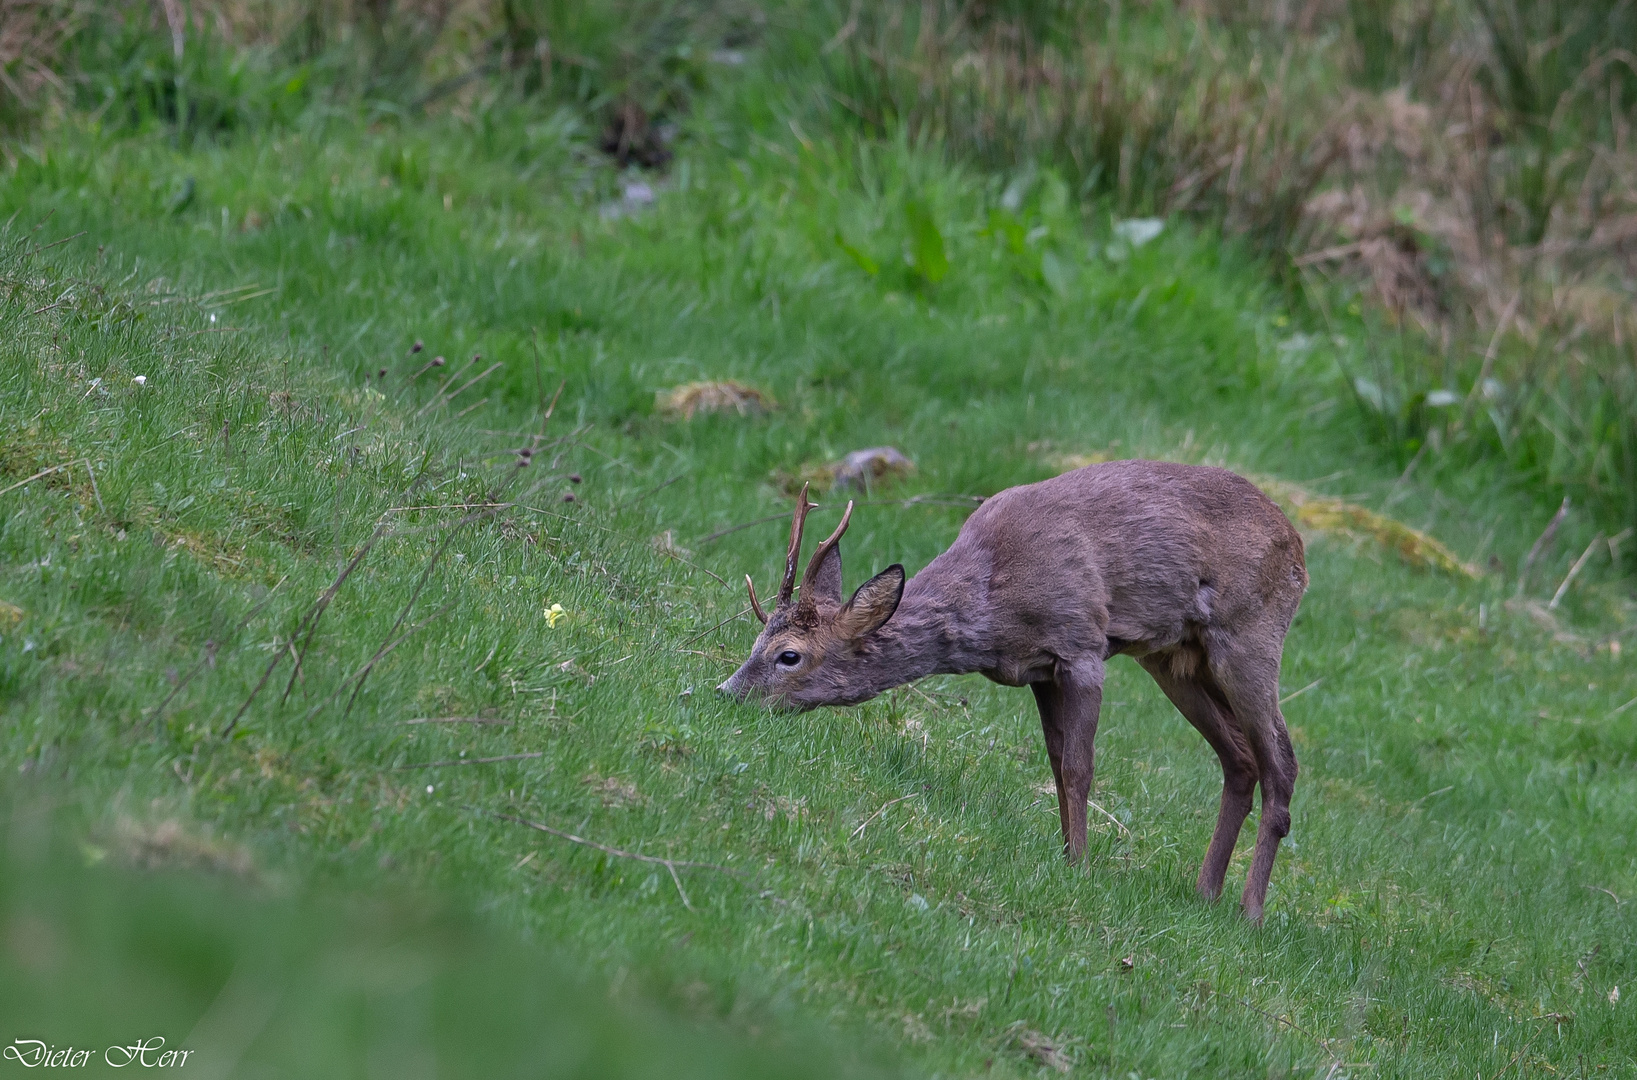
x=1574 y=572
x=94 y=491
x=1489 y=357
x=913 y=500
x=1393 y=492
x=671 y=554
x=1621 y=709
x=310 y=621
x=1289 y=1023
x=1541 y=544
x=552 y=408
x=1298 y=693
x=382 y=653
x=455 y=720
x=718 y=534
x=469 y=761
x=426 y=575
x=54 y=243
x=268 y=599
x=1516 y=1056
x=1118 y=824
x=450 y=381
x=1607 y=892
x=655 y=490
x=444 y=396
x=208 y=657
x=36 y=476
x=884 y=807
x=718 y=626
x=669 y=864
x=475 y=379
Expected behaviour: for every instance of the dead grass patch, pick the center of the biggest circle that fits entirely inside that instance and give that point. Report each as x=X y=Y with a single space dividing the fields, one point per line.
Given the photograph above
x=172 y=844
x=692 y=399
x=1040 y=1047
x=614 y=793
x=1337 y=517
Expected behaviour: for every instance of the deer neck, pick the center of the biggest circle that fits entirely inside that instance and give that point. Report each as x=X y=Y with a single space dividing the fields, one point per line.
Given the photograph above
x=939 y=628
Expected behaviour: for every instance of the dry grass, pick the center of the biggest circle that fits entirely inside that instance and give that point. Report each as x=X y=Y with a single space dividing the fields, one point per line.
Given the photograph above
x=32 y=36
x=1040 y=1048
x=1337 y=517
x=695 y=398
x=613 y=792
x=173 y=844
x=1184 y=125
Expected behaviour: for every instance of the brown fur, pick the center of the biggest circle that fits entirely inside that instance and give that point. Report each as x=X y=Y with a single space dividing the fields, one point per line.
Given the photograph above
x=1191 y=571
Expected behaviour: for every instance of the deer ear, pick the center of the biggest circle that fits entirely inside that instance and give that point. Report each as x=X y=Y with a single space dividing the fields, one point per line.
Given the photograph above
x=872 y=605
x=827 y=578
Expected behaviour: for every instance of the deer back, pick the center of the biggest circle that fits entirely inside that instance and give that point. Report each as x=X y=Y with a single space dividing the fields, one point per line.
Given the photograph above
x=1127 y=554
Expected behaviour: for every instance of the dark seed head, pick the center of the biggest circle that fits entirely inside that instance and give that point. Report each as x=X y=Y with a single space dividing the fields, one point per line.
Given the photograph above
x=417 y=347
x=381 y=374
x=574 y=478
x=568 y=496
x=527 y=452
x=437 y=361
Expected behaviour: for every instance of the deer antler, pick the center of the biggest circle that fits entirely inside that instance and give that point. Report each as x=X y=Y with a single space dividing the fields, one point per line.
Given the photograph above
x=755 y=604
x=796 y=525
x=808 y=578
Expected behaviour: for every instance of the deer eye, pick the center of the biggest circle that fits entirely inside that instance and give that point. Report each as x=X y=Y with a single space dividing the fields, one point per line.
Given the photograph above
x=789 y=659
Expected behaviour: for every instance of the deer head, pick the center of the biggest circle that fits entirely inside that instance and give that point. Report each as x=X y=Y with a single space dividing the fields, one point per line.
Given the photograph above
x=812 y=646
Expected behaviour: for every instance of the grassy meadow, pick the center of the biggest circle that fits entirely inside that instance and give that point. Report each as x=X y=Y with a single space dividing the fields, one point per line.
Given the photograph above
x=297 y=642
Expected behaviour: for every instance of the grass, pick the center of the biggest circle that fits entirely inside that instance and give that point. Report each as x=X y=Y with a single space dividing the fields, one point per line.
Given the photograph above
x=244 y=976
x=1466 y=803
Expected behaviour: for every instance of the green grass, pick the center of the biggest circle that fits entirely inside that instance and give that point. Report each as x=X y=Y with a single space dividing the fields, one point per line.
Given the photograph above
x=247 y=977
x=1467 y=789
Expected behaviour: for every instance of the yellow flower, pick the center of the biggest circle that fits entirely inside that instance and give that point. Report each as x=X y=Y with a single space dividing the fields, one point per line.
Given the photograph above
x=555 y=614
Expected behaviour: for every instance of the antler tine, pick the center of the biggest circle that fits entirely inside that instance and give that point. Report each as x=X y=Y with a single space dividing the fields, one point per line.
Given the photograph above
x=755 y=604
x=797 y=523
x=824 y=549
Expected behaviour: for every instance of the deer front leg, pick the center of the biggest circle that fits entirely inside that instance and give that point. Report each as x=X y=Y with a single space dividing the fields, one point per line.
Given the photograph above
x=1045 y=697
x=1069 y=707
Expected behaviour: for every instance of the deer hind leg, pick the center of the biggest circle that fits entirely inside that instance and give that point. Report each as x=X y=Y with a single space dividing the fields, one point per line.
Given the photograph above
x=1202 y=703
x=1250 y=680
x=1069 y=707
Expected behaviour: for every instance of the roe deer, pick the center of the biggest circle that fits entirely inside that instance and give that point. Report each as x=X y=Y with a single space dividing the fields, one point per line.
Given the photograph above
x=1191 y=571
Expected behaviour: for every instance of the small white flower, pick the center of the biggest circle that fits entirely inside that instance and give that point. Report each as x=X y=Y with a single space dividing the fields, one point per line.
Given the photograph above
x=554 y=615
x=140 y=380
x=1614 y=996
x=429 y=789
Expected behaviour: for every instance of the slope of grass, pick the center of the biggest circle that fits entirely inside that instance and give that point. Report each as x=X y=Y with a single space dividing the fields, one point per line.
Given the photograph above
x=1468 y=783
x=114 y=968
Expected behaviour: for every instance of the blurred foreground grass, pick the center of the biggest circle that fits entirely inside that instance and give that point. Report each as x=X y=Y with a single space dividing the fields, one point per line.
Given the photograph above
x=162 y=937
